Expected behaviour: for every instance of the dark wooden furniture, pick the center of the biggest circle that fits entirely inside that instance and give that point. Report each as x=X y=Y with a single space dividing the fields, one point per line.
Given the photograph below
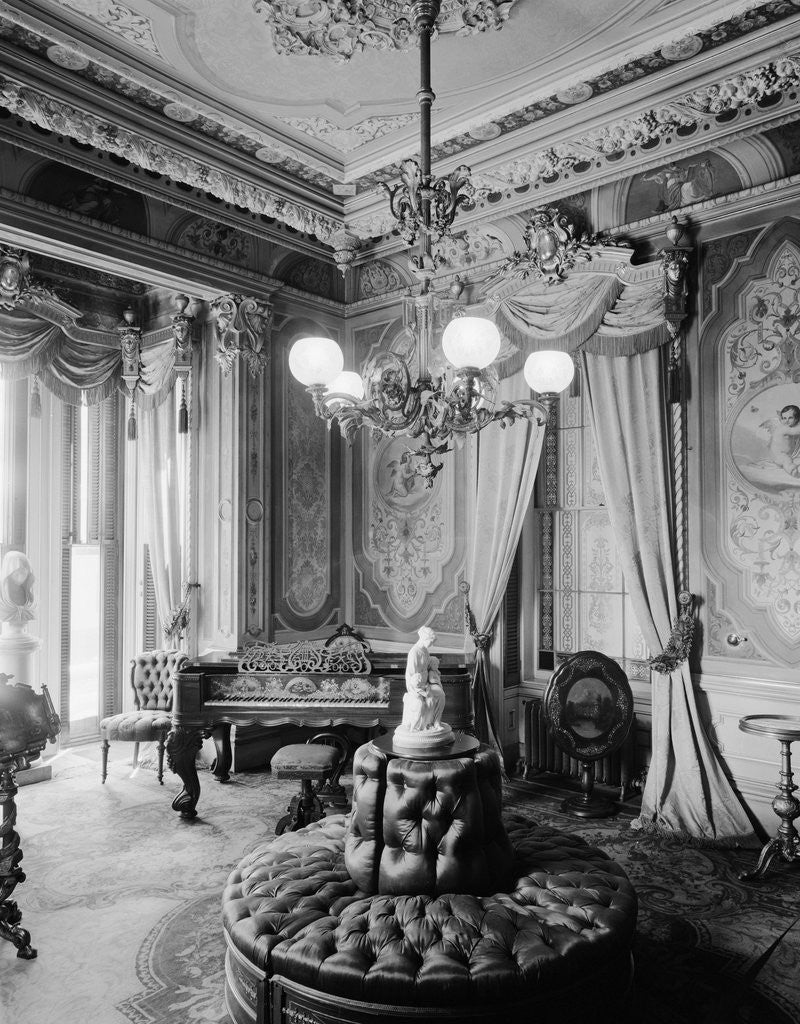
x=314 y=683
x=786 y=843
x=27 y=721
x=588 y=706
x=317 y=765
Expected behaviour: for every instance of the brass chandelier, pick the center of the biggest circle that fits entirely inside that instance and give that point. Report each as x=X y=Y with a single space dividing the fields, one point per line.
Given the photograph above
x=393 y=398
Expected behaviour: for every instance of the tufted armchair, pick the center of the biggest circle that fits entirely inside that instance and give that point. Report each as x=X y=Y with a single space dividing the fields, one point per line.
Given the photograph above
x=151 y=719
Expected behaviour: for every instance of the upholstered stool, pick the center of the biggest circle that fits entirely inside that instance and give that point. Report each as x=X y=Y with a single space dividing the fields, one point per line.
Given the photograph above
x=305 y=943
x=319 y=761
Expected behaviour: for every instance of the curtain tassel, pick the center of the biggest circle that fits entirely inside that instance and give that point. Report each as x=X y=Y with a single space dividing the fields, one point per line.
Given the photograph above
x=36 y=399
x=183 y=412
x=132 y=423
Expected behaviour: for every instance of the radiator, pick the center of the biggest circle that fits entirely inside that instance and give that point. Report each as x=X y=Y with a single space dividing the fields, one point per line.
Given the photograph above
x=542 y=755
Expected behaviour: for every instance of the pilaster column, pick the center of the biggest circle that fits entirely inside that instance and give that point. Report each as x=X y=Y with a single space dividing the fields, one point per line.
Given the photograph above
x=234 y=475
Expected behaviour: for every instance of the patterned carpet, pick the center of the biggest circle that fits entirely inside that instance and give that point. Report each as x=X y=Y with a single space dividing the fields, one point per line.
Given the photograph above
x=122 y=900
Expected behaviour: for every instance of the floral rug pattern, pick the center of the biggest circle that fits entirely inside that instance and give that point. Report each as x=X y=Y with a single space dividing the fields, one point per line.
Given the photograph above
x=123 y=902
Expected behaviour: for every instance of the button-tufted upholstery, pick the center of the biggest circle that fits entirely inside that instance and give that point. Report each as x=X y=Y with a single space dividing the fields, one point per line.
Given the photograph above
x=562 y=931
x=427 y=827
x=151 y=719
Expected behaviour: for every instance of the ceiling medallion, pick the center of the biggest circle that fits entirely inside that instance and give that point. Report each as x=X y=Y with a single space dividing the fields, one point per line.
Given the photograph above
x=340 y=28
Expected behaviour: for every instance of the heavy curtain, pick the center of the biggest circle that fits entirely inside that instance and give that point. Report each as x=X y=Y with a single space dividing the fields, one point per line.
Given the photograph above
x=163 y=505
x=686 y=791
x=507 y=462
x=79 y=369
x=78 y=365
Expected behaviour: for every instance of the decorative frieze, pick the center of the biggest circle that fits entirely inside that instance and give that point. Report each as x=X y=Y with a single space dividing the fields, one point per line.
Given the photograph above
x=701 y=107
x=242 y=327
x=90 y=130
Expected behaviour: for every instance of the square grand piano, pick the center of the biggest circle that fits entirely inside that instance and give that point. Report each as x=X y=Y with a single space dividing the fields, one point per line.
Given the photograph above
x=314 y=683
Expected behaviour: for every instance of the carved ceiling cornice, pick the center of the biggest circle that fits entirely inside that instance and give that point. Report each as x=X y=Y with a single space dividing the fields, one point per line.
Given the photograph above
x=89 y=129
x=118 y=76
x=591 y=146
x=160 y=188
x=696 y=120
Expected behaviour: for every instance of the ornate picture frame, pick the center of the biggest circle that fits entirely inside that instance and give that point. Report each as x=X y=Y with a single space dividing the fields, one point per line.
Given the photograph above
x=588 y=704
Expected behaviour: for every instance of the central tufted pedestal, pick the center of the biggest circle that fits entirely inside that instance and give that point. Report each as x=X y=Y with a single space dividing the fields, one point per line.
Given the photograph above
x=307 y=945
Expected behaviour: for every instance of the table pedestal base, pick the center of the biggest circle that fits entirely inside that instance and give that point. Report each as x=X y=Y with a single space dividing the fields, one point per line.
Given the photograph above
x=786 y=844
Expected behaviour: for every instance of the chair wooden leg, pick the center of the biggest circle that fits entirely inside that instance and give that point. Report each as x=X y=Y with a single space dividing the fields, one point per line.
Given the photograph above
x=161 y=760
x=136 y=755
x=104 y=760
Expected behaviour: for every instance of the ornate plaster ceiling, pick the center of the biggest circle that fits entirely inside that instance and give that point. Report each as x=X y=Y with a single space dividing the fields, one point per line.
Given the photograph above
x=524 y=89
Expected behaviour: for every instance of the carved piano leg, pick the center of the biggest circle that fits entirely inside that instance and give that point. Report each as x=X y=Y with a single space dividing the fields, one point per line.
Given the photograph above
x=183 y=746
x=222 y=741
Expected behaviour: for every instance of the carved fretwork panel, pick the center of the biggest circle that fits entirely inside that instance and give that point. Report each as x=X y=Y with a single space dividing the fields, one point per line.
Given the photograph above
x=306 y=478
x=409 y=541
x=750 y=457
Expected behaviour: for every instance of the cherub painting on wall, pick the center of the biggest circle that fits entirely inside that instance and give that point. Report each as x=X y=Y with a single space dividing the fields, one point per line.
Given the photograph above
x=765 y=439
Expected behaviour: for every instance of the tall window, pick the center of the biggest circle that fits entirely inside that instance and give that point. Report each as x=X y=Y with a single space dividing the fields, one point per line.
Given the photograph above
x=583 y=601
x=89 y=567
x=13 y=456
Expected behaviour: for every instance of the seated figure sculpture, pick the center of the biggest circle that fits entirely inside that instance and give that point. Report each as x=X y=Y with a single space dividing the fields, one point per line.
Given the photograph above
x=422 y=727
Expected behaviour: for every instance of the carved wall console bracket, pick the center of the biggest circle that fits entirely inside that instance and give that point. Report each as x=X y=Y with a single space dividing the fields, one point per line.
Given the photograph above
x=243 y=327
x=340 y=28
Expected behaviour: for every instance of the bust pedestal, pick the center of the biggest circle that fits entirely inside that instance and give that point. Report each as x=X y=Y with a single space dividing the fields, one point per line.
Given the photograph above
x=17 y=653
x=425 y=825
x=17 y=650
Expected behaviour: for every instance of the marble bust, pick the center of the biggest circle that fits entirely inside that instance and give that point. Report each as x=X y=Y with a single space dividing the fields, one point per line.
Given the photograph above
x=17 y=603
x=422 y=727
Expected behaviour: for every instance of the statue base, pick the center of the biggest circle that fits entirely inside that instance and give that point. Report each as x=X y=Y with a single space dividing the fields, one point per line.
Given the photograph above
x=423 y=741
x=460 y=746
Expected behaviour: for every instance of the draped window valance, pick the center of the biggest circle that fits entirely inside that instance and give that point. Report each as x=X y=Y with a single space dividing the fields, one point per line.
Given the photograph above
x=603 y=307
x=79 y=365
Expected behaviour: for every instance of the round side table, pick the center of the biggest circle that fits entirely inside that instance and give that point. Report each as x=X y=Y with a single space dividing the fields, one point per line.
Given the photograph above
x=786 y=844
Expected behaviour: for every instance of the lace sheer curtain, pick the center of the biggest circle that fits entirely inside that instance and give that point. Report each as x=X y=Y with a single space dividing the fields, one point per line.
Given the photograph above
x=507 y=464
x=687 y=791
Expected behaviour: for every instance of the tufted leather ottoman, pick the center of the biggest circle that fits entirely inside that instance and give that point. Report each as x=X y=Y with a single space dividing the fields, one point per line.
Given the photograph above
x=427 y=827
x=306 y=946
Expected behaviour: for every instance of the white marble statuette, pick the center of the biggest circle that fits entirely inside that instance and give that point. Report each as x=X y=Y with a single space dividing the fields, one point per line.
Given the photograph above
x=422 y=728
x=17 y=607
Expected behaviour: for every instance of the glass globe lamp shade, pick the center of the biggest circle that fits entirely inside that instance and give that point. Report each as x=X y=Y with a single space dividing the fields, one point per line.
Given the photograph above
x=548 y=372
x=315 y=361
x=471 y=341
x=348 y=382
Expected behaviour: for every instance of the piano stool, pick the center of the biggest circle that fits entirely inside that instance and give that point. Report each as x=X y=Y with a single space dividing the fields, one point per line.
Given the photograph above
x=305 y=944
x=318 y=764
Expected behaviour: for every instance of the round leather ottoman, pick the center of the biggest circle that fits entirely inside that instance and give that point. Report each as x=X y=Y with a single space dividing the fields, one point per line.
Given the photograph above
x=305 y=946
